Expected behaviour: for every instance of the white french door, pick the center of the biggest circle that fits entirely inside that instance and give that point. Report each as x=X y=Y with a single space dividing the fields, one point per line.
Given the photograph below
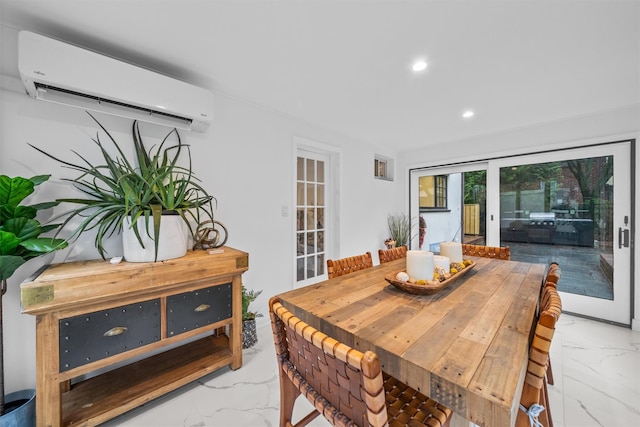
x=315 y=200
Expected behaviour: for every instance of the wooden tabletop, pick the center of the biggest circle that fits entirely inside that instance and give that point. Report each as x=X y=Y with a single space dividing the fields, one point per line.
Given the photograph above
x=465 y=346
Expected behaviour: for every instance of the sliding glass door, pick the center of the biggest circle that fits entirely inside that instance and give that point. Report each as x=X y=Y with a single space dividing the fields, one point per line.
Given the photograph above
x=451 y=203
x=572 y=207
x=569 y=206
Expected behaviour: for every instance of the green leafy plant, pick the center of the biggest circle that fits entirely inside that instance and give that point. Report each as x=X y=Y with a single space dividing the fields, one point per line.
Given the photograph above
x=20 y=239
x=19 y=228
x=151 y=183
x=399 y=228
x=248 y=296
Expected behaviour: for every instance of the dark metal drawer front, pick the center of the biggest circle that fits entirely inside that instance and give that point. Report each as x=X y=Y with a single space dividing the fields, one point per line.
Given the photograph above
x=94 y=336
x=192 y=310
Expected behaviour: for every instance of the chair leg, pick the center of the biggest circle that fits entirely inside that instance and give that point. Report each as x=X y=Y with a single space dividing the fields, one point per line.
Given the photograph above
x=288 y=395
x=549 y=373
x=548 y=421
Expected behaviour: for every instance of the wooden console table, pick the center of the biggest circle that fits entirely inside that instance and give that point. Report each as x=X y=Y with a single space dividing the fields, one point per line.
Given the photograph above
x=111 y=337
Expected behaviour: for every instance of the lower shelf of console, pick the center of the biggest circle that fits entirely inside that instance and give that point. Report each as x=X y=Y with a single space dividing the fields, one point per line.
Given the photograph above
x=105 y=396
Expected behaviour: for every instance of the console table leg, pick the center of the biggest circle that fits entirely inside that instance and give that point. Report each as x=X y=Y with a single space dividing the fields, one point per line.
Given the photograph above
x=235 y=330
x=49 y=393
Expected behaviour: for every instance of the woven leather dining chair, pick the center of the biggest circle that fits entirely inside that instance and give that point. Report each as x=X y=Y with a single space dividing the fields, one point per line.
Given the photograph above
x=487 y=251
x=340 y=267
x=553 y=275
x=386 y=255
x=345 y=385
x=551 y=279
x=534 y=402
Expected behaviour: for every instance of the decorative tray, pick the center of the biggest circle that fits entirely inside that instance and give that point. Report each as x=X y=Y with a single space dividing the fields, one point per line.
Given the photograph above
x=431 y=286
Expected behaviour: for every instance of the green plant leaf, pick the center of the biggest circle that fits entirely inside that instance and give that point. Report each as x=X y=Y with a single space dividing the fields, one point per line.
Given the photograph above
x=248 y=296
x=23 y=228
x=14 y=190
x=9 y=264
x=8 y=243
x=44 y=244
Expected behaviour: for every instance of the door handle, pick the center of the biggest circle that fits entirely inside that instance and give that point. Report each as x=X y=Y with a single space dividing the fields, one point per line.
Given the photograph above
x=623 y=238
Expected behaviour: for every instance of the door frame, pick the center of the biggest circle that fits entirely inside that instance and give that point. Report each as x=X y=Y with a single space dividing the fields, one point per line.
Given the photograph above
x=332 y=202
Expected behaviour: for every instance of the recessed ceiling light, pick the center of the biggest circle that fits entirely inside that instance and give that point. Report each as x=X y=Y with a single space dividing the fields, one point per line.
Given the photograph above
x=419 y=65
x=468 y=114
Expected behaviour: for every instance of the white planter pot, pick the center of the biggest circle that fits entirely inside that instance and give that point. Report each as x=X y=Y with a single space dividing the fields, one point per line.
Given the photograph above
x=173 y=240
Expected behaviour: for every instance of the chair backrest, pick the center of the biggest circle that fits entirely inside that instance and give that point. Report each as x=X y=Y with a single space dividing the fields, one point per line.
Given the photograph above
x=344 y=384
x=553 y=275
x=386 y=255
x=487 y=251
x=340 y=267
x=550 y=310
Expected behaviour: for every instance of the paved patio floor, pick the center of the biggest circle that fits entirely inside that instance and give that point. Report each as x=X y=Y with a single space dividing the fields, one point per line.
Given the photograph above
x=582 y=272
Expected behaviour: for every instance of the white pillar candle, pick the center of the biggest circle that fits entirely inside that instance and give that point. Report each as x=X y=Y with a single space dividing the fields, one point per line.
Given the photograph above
x=453 y=250
x=420 y=265
x=442 y=261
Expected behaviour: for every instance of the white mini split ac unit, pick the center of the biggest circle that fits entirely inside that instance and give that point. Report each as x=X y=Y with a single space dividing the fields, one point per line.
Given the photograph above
x=62 y=73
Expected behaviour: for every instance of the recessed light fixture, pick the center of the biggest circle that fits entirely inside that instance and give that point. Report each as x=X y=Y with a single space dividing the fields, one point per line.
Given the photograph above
x=419 y=65
x=468 y=114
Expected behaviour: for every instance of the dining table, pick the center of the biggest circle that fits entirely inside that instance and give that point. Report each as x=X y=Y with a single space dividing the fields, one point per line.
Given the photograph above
x=466 y=345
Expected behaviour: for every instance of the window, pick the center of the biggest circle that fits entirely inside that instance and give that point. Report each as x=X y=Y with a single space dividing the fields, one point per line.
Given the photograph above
x=433 y=192
x=383 y=167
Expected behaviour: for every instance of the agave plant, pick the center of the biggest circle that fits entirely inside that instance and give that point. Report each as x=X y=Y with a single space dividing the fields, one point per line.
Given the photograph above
x=150 y=184
x=20 y=238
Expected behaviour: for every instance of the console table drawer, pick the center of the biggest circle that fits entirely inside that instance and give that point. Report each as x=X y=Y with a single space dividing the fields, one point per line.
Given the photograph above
x=94 y=336
x=192 y=310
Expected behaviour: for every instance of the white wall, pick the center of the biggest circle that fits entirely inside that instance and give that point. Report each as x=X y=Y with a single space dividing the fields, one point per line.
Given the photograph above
x=245 y=160
x=617 y=125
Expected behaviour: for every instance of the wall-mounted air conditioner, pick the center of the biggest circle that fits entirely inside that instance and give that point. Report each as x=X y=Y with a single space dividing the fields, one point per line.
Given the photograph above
x=62 y=73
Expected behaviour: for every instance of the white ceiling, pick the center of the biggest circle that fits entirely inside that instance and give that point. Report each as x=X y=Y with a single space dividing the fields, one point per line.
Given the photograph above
x=345 y=65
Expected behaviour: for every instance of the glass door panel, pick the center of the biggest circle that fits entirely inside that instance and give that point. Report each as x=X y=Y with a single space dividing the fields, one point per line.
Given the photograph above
x=563 y=207
x=451 y=202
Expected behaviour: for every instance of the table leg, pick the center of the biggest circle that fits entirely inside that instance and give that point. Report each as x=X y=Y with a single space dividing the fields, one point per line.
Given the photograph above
x=460 y=421
x=235 y=329
x=49 y=396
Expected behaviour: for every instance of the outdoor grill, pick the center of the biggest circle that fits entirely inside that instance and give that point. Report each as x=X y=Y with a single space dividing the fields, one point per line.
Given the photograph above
x=547 y=219
x=542 y=227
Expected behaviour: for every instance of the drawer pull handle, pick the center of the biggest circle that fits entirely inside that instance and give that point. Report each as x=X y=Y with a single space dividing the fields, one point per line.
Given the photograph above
x=118 y=330
x=203 y=307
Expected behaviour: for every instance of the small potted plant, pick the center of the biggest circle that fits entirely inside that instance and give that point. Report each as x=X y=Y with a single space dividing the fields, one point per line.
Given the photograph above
x=399 y=230
x=133 y=196
x=20 y=241
x=249 y=331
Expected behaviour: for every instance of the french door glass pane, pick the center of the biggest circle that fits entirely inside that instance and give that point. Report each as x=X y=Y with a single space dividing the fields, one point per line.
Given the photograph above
x=310 y=211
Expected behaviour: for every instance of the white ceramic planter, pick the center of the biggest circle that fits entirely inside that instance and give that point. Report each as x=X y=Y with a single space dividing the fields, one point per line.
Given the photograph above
x=173 y=240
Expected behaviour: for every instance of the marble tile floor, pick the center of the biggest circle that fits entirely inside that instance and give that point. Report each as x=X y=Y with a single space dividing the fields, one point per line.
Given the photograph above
x=596 y=368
